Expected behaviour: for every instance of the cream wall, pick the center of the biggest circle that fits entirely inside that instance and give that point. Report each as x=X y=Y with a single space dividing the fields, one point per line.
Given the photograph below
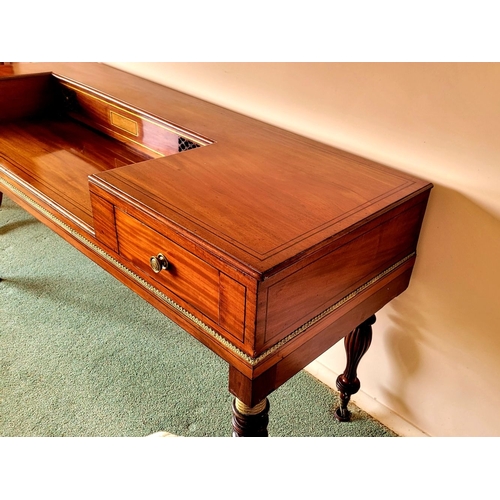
x=435 y=356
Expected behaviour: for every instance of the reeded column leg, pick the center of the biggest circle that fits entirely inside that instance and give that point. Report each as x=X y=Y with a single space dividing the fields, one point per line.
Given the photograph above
x=356 y=344
x=250 y=421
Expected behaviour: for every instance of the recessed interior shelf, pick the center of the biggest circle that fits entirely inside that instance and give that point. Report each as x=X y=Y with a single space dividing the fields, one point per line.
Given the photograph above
x=54 y=133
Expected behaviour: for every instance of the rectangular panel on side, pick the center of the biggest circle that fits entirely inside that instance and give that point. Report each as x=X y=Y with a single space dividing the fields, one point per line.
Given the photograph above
x=301 y=295
x=232 y=307
x=104 y=221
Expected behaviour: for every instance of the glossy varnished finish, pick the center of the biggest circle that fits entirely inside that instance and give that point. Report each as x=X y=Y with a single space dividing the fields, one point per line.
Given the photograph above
x=56 y=156
x=277 y=246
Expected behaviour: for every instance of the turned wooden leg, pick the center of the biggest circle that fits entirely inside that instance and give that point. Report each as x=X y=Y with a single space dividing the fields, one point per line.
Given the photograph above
x=250 y=421
x=356 y=344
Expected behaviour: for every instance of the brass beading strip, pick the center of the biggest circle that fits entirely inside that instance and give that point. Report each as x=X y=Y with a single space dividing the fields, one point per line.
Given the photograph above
x=218 y=337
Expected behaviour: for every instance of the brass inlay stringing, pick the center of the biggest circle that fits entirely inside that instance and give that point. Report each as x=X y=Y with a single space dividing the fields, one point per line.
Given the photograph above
x=235 y=350
x=143 y=116
x=123 y=123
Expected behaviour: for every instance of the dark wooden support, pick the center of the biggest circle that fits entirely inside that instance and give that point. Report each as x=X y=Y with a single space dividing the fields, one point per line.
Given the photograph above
x=250 y=421
x=356 y=344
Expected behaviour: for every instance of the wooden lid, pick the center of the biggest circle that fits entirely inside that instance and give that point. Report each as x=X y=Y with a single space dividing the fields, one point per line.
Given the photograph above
x=258 y=193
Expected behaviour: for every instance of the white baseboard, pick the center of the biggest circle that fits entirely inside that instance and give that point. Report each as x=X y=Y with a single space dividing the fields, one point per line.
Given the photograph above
x=377 y=410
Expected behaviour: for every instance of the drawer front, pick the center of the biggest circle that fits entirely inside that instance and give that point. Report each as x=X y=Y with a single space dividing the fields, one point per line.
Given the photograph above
x=187 y=276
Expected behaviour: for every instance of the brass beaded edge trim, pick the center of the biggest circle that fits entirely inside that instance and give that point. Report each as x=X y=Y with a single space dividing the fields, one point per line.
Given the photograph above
x=332 y=308
x=251 y=361
x=128 y=272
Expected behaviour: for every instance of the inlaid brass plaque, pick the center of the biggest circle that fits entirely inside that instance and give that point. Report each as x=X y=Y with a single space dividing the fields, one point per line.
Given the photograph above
x=124 y=123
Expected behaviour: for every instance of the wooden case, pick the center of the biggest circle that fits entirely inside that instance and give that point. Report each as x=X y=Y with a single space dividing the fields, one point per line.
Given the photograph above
x=277 y=246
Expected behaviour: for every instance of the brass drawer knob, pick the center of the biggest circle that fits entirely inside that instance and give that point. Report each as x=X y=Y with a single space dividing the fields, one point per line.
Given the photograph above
x=158 y=263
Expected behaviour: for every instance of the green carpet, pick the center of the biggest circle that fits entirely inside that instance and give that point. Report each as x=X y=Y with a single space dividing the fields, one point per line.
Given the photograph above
x=81 y=355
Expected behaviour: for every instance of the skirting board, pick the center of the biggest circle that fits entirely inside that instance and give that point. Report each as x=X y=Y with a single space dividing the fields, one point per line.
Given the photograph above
x=377 y=410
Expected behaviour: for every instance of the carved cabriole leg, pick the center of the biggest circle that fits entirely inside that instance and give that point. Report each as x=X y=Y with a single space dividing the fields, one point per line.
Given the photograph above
x=250 y=421
x=356 y=344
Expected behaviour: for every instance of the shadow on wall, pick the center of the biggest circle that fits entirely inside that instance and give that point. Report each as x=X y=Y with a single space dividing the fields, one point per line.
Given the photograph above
x=443 y=332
